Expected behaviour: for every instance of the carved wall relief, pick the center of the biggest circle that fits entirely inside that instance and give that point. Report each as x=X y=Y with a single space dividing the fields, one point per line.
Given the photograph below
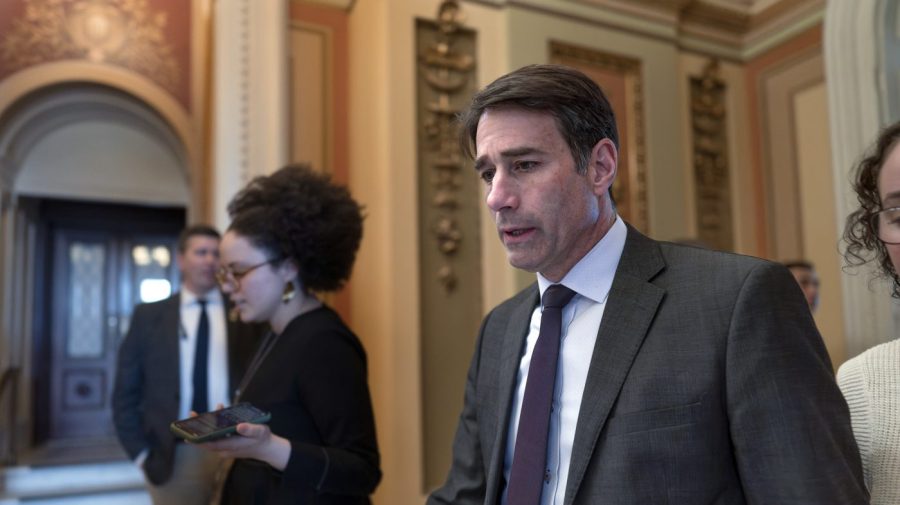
x=449 y=206
x=134 y=34
x=710 y=148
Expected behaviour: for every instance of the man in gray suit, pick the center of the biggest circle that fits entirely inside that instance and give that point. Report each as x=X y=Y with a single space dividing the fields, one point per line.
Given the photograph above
x=671 y=374
x=158 y=378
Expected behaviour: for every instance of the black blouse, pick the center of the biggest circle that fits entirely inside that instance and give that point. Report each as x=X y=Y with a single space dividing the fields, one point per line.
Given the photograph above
x=313 y=381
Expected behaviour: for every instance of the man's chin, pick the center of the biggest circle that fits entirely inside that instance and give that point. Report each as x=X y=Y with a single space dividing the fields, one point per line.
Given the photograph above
x=517 y=261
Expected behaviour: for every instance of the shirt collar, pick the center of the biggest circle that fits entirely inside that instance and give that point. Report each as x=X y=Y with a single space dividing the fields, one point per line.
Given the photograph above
x=188 y=297
x=592 y=276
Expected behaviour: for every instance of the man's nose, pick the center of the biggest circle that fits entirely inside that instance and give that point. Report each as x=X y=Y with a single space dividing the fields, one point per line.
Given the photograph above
x=502 y=193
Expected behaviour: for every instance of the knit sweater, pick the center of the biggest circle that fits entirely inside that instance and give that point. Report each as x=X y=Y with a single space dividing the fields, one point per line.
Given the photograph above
x=871 y=385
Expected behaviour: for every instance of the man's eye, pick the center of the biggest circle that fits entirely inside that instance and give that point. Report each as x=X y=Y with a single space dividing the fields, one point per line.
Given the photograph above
x=525 y=165
x=487 y=175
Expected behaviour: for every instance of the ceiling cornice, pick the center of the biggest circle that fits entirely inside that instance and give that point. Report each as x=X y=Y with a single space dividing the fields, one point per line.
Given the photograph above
x=340 y=4
x=736 y=30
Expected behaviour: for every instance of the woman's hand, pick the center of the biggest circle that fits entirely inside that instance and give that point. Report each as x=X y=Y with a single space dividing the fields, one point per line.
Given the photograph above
x=255 y=441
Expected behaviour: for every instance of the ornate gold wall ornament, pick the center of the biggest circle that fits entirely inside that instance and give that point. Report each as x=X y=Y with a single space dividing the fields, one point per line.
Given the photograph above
x=711 y=173
x=116 y=32
x=449 y=211
x=447 y=72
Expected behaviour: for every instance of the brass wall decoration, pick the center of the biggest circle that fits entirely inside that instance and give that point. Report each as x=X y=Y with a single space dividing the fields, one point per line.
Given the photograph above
x=447 y=72
x=710 y=155
x=126 y=33
x=620 y=78
x=449 y=220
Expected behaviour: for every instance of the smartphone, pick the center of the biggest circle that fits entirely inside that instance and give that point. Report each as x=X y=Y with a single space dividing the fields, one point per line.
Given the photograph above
x=218 y=423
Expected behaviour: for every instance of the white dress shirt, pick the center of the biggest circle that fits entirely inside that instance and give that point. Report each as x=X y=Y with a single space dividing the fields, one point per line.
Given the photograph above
x=217 y=365
x=217 y=371
x=591 y=279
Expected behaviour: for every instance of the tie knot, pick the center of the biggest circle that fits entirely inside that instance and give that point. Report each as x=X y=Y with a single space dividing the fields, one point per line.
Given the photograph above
x=557 y=295
x=201 y=302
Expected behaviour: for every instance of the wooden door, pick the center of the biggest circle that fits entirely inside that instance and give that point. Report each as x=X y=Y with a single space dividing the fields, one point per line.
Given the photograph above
x=101 y=261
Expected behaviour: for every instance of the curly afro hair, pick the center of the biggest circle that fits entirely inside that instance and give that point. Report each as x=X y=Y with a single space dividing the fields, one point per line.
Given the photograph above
x=859 y=233
x=298 y=214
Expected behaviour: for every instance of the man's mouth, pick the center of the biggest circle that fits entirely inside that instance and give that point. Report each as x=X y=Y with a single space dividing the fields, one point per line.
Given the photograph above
x=511 y=234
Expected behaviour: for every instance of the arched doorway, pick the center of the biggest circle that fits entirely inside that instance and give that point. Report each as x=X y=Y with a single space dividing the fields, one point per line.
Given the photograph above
x=95 y=188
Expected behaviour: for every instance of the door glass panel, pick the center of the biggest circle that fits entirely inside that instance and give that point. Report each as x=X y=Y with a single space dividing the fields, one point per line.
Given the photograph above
x=151 y=264
x=85 y=325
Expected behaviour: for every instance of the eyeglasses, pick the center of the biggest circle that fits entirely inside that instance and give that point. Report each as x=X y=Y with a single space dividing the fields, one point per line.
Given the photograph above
x=226 y=276
x=886 y=224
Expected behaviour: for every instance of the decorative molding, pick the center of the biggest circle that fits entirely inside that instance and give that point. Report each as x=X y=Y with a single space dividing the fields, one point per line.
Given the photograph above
x=244 y=77
x=725 y=30
x=710 y=155
x=117 y=32
x=251 y=120
x=630 y=188
x=32 y=79
x=339 y=4
x=448 y=74
x=449 y=214
x=308 y=124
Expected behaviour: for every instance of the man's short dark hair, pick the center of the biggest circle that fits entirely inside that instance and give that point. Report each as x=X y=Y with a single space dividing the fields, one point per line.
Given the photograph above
x=583 y=113
x=196 y=230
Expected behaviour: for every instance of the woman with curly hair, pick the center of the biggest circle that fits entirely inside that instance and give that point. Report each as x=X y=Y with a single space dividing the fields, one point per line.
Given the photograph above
x=292 y=234
x=871 y=381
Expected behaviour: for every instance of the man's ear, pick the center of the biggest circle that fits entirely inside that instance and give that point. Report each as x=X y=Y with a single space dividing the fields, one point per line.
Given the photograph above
x=603 y=165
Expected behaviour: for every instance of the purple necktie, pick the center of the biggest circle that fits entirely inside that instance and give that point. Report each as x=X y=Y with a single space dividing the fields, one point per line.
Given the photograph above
x=526 y=477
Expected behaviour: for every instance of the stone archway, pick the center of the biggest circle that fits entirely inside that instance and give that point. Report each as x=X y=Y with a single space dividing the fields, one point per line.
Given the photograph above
x=75 y=141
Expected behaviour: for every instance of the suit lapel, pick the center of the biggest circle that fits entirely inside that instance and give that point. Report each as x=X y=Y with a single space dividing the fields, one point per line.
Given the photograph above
x=632 y=304
x=513 y=346
x=167 y=335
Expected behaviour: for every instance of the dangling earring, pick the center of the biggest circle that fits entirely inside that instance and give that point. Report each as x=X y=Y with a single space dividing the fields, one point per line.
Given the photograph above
x=289 y=292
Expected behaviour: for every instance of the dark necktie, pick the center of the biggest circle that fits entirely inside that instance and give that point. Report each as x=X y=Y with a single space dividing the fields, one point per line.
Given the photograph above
x=201 y=357
x=527 y=475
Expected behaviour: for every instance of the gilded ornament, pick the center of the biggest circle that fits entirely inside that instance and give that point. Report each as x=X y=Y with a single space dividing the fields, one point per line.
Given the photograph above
x=124 y=33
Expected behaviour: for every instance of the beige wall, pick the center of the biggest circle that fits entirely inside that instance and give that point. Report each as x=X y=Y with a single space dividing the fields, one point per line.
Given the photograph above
x=818 y=213
x=383 y=177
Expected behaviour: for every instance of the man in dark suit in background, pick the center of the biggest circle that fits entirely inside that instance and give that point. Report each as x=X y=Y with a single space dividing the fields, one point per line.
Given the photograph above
x=634 y=371
x=180 y=354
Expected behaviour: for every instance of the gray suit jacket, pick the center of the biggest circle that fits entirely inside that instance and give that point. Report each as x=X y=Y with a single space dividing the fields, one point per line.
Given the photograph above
x=147 y=389
x=709 y=384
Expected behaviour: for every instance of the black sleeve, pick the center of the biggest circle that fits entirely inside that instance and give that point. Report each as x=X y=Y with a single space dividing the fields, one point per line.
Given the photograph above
x=334 y=388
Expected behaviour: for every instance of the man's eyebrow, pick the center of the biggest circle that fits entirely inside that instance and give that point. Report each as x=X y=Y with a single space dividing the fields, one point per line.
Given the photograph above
x=480 y=163
x=509 y=153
